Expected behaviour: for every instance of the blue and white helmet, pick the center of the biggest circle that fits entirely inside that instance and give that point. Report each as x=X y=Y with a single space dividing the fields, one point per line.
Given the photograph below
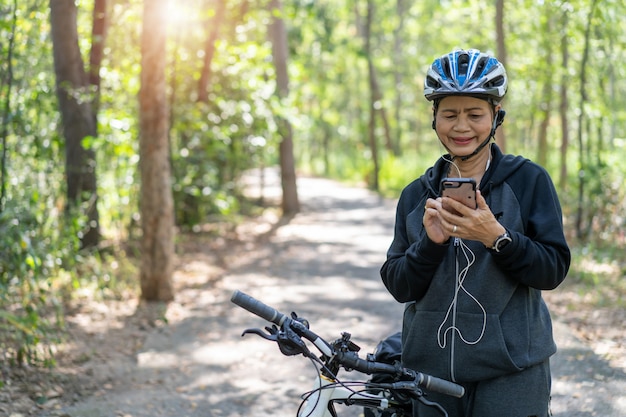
x=466 y=72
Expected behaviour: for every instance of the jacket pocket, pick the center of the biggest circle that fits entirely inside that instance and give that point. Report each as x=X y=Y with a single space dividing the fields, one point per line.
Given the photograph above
x=430 y=347
x=484 y=357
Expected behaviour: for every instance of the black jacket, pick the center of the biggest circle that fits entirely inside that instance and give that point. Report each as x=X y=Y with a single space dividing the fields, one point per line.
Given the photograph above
x=473 y=314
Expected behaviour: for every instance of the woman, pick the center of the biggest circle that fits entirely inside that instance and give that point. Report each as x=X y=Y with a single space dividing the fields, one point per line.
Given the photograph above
x=471 y=279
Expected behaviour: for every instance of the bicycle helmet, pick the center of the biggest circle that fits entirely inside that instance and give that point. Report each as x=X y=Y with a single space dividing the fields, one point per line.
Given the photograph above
x=466 y=72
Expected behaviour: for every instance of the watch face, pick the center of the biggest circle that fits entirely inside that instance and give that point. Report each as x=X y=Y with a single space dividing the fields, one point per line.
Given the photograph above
x=501 y=242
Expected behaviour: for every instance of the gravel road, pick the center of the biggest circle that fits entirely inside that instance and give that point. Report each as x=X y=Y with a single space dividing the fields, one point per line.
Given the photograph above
x=324 y=265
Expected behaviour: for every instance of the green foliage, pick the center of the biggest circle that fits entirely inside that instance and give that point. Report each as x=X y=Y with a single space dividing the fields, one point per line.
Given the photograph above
x=598 y=272
x=30 y=311
x=397 y=172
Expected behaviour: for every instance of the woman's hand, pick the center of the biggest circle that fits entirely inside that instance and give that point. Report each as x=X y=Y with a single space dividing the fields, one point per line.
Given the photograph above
x=433 y=222
x=479 y=224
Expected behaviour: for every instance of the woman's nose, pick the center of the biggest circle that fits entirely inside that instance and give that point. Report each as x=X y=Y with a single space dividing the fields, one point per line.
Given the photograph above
x=461 y=124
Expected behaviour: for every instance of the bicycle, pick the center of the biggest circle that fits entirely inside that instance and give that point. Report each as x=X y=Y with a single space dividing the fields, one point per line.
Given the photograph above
x=394 y=398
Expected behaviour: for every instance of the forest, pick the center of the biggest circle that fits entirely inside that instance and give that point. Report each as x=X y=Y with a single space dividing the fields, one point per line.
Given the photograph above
x=125 y=124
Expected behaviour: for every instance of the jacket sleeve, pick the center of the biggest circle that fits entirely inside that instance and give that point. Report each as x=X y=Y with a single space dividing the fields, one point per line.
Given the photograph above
x=412 y=258
x=538 y=257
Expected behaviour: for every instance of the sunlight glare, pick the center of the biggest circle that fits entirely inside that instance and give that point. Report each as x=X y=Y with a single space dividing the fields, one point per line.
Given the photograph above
x=176 y=14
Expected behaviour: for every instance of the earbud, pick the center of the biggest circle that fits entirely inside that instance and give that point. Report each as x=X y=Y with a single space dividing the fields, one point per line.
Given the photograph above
x=499 y=118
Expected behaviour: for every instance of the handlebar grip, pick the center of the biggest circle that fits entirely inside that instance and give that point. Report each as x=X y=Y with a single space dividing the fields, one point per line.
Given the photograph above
x=257 y=307
x=351 y=360
x=441 y=386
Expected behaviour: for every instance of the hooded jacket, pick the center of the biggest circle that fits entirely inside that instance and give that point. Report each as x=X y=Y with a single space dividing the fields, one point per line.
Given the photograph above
x=473 y=314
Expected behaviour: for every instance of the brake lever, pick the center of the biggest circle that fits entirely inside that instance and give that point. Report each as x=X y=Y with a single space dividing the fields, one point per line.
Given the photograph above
x=272 y=337
x=288 y=341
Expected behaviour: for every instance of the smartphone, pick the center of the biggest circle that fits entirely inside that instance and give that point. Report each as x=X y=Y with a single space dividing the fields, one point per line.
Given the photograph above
x=460 y=189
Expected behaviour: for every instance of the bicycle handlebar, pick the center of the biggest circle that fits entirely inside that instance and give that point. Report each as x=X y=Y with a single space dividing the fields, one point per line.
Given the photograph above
x=350 y=360
x=429 y=382
x=259 y=308
x=272 y=315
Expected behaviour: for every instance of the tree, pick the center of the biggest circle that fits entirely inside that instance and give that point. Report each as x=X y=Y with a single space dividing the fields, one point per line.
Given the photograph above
x=75 y=105
x=6 y=83
x=209 y=51
x=500 y=37
x=545 y=107
x=156 y=201
x=582 y=163
x=374 y=93
x=280 y=53
x=98 y=36
x=400 y=62
x=564 y=101
x=376 y=97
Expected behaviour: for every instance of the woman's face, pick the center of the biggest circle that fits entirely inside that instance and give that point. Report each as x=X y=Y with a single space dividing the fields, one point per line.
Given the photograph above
x=463 y=123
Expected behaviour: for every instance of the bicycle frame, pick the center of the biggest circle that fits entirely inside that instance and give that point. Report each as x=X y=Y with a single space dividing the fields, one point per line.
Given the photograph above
x=326 y=392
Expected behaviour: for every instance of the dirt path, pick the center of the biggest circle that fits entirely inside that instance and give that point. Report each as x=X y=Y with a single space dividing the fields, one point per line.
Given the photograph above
x=322 y=264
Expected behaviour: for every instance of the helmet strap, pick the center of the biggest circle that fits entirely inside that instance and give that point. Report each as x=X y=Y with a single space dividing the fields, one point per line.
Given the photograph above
x=435 y=108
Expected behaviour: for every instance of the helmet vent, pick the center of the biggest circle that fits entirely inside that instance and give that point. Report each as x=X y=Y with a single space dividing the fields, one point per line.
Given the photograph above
x=480 y=66
x=431 y=82
x=496 y=82
x=463 y=65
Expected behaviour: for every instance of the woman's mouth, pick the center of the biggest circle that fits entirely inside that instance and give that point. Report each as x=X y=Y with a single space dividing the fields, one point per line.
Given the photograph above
x=461 y=141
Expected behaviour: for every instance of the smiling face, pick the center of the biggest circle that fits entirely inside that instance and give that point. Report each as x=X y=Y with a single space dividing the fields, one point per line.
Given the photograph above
x=463 y=123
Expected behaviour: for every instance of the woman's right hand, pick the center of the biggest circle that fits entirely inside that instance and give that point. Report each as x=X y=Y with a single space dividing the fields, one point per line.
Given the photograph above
x=433 y=223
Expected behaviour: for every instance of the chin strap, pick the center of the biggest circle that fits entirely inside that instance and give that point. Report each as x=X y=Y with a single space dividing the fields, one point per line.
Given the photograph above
x=497 y=121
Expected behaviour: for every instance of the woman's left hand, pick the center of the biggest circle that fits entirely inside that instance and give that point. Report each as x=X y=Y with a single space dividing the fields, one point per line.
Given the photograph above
x=479 y=224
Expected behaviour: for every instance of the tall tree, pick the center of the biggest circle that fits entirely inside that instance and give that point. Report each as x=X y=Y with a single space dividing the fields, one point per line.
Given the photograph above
x=582 y=164
x=374 y=93
x=500 y=37
x=77 y=116
x=564 y=100
x=398 y=79
x=6 y=84
x=545 y=103
x=280 y=53
x=209 y=50
x=156 y=204
x=376 y=106
x=98 y=37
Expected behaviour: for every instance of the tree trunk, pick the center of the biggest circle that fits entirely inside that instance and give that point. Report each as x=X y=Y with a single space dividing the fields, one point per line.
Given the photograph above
x=546 y=94
x=278 y=36
x=580 y=232
x=209 y=51
x=500 y=133
x=374 y=95
x=398 y=68
x=98 y=37
x=564 y=104
x=77 y=116
x=157 y=206
x=7 y=83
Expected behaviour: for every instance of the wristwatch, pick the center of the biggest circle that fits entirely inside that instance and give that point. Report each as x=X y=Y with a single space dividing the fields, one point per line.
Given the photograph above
x=501 y=241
